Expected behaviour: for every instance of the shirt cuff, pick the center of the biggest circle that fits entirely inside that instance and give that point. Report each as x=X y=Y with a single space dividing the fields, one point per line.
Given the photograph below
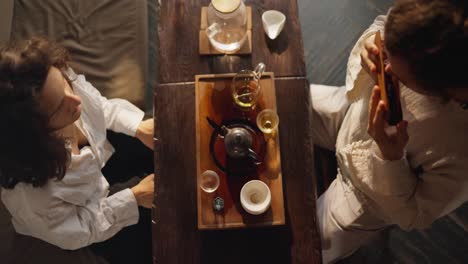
x=125 y=207
x=129 y=117
x=133 y=121
x=391 y=177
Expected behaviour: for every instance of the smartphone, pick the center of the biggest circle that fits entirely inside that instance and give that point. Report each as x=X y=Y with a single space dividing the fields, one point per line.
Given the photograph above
x=389 y=87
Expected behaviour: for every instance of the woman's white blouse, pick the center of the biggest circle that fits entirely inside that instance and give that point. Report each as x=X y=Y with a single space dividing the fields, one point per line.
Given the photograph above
x=77 y=211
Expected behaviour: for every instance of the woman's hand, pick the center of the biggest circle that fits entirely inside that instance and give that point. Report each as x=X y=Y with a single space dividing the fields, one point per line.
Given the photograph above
x=145 y=133
x=144 y=191
x=369 y=59
x=391 y=146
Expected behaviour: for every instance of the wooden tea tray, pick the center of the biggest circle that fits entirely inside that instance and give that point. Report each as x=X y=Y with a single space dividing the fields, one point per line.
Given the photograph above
x=214 y=100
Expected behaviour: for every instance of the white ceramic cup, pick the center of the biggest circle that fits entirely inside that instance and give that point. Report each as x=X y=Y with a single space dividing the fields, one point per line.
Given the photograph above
x=273 y=23
x=255 y=197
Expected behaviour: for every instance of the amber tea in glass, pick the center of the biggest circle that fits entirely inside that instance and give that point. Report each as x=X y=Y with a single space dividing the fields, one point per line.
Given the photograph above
x=246 y=87
x=246 y=95
x=267 y=122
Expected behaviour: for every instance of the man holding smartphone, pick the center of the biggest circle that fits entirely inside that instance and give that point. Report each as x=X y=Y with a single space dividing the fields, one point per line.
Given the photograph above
x=416 y=173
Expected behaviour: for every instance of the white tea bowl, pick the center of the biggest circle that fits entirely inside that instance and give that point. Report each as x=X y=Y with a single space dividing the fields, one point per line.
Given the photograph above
x=255 y=197
x=273 y=23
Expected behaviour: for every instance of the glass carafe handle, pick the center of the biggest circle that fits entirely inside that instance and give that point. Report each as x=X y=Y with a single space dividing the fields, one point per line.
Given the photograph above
x=258 y=71
x=212 y=30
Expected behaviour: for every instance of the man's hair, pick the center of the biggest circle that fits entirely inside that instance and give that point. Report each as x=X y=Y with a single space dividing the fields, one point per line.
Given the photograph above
x=432 y=37
x=29 y=150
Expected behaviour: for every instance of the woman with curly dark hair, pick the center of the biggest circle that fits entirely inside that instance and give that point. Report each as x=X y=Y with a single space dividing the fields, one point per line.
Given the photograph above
x=53 y=146
x=415 y=172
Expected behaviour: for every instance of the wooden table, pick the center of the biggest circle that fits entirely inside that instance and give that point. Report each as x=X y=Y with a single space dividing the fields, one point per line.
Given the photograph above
x=176 y=238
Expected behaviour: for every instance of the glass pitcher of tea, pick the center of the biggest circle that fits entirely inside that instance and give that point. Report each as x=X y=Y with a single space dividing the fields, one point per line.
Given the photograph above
x=227 y=25
x=245 y=87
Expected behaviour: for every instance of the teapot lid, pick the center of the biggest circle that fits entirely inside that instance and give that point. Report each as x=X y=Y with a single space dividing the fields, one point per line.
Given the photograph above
x=226 y=6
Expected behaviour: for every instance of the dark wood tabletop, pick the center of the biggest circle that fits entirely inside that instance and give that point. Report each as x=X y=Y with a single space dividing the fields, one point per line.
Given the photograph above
x=176 y=238
x=178 y=29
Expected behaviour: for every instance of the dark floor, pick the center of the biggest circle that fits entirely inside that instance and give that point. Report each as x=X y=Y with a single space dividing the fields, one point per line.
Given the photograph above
x=330 y=29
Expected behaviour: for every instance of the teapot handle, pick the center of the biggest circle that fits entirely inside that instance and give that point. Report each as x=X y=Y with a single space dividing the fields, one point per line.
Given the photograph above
x=258 y=71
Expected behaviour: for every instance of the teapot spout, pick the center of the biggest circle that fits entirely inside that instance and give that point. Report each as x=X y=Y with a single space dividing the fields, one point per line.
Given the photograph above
x=222 y=130
x=253 y=156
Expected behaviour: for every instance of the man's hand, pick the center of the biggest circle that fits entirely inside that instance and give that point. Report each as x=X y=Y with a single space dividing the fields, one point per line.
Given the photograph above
x=391 y=146
x=369 y=59
x=145 y=133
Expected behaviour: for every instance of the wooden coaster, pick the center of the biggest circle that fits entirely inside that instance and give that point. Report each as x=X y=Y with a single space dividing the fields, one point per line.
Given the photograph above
x=205 y=47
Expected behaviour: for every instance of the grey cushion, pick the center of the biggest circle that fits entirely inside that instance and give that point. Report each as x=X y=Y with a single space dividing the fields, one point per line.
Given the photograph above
x=107 y=39
x=6 y=7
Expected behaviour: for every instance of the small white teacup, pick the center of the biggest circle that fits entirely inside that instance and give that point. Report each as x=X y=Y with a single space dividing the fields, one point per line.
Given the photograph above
x=273 y=23
x=255 y=197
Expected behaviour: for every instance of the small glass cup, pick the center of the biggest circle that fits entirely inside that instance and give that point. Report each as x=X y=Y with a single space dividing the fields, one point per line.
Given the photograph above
x=209 y=181
x=246 y=87
x=267 y=122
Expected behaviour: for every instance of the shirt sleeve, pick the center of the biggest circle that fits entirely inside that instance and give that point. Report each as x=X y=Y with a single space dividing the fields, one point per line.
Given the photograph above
x=413 y=200
x=120 y=115
x=70 y=226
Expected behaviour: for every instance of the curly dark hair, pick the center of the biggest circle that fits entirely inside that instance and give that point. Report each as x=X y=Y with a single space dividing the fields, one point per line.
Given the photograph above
x=29 y=150
x=432 y=36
